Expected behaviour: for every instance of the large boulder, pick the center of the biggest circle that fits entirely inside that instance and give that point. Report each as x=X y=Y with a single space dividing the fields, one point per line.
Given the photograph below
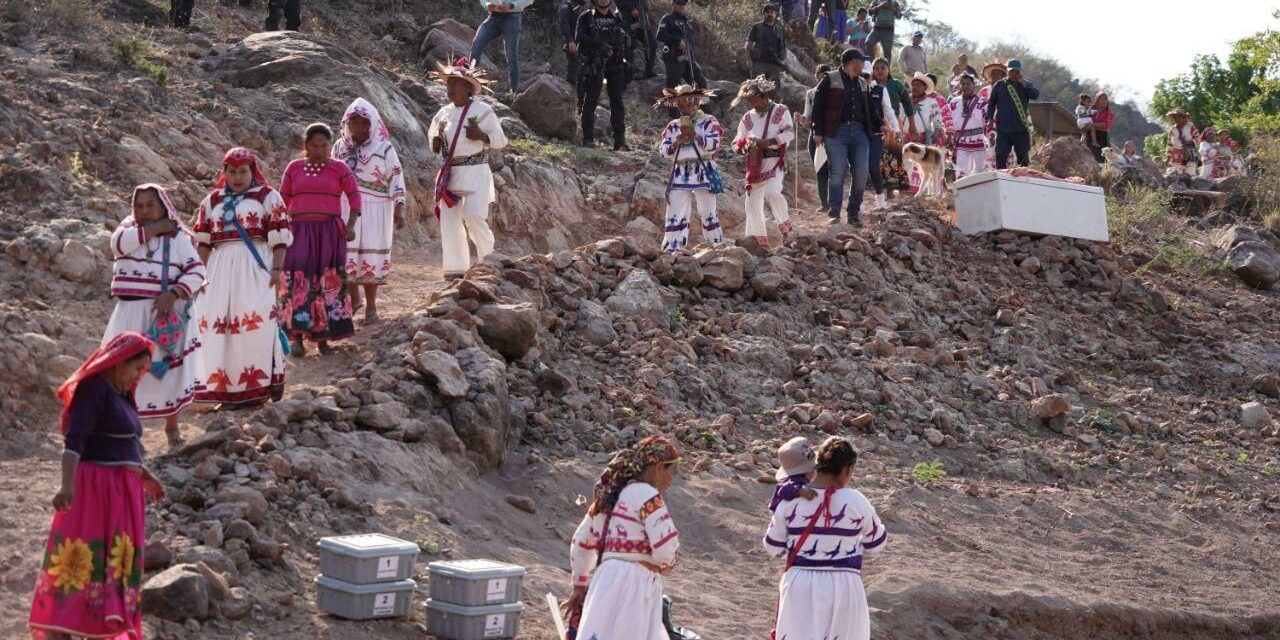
x=178 y=593
x=1067 y=157
x=510 y=329
x=548 y=106
x=443 y=369
x=77 y=262
x=1253 y=254
x=483 y=421
x=640 y=296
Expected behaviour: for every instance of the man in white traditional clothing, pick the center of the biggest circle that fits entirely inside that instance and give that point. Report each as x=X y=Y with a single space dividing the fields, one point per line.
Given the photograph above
x=365 y=146
x=969 y=144
x=691 y=143
x=462 y=132
x=764 y=132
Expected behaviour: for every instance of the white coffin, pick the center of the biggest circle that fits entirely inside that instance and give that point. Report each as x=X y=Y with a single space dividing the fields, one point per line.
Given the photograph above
x=995 y=201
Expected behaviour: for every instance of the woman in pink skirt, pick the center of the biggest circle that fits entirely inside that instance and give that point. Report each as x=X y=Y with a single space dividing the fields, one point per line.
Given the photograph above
x=92 y=570
x=315 y=302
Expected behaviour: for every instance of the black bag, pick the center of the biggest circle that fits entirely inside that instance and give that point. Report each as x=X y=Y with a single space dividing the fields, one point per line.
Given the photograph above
x=676 y=633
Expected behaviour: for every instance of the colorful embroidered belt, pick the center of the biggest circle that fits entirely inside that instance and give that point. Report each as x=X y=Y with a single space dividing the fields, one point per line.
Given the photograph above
x=973 y=132
x=470 y=161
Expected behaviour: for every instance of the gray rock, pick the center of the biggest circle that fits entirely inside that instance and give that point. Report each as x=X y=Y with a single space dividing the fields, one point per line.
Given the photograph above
x=443 y=369
x=768 y=285
x=237 y=605
x=1256 y=263
x=595 y=325
x=245 y=495
x=639 y=296
x=687 y=271
x=178 y=593
x=548 y=106
x=484 y=421
x=239 y=530
x=523 y=503
x=382 y=417
x=1267 y=384
x=1254 y=415
x=77 y=263
x=510 y=329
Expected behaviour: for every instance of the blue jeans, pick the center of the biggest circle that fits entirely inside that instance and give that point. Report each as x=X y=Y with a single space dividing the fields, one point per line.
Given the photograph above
x=848 y=149
x=505 y=26
x=874 y=155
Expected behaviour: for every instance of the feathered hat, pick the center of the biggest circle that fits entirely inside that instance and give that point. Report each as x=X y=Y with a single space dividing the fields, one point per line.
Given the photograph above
x=463 y=68
x=757 y=86
x=670 y=98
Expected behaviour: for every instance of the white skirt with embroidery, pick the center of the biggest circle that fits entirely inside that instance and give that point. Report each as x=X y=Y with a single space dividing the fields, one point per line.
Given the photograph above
x=369 y=255
x=624 y=602
x=158 y=397
x=820 y=605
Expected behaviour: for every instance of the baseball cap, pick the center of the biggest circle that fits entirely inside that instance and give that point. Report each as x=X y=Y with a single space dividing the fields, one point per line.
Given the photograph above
x=795 y=457
x=852 y=53
x=918 y=34
x=1014 y=63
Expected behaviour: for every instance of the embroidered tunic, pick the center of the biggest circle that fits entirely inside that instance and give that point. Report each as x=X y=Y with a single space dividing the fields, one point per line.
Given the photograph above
x=380 y=179
x=469 y=178
x=688 y=172
x=640 y=530
x=779 y=127
x=933 y=120
x=847 y=529
x=968 y=123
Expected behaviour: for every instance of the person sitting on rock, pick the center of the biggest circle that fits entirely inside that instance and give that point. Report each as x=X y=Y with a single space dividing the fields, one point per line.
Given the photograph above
x=764 y=132
x=691 y=142
x=1181 y=153
x=462 y=132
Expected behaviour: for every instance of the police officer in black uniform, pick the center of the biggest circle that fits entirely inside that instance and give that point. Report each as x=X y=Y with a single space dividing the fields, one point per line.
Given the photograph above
x=636 y=14
x=568 y=17
x=604 y=45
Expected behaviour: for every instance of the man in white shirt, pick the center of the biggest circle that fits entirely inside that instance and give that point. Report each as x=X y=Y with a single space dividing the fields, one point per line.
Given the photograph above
x=462 y=132
x=763 y=135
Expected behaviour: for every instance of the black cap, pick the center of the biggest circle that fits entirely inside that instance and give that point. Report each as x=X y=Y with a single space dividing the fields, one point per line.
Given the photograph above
x=852 y=54
x=768 y=6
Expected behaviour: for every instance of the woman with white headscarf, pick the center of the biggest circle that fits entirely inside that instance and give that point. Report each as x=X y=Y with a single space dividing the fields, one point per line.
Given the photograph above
x=365 y=146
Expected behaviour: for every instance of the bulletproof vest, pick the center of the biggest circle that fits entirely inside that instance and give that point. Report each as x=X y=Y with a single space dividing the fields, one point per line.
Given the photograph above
x=611 y=30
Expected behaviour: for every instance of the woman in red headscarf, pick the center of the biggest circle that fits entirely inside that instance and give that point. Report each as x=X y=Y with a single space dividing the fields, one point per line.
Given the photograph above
x=92 y=570
x=624 y=545
x=242 y=231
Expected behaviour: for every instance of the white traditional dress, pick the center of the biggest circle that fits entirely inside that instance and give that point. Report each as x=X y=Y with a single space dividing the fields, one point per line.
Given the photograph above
x=1181 y=149
x=970 y=138
x=821 y=595
x=242 y=358
x=381 y=181
x=689 y=182
x=470 y=179
x=764 y=182
x=624 y=597
x=1210 y=167
x=138 y=277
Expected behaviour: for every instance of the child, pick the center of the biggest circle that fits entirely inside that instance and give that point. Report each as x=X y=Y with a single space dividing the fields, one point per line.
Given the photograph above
x=1084 y=118
x=796 y=469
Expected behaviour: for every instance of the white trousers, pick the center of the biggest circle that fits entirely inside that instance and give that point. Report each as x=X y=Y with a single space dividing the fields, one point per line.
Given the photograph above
x=469 y=219
x=769 y=191
x=676 y=226
x=970 y=161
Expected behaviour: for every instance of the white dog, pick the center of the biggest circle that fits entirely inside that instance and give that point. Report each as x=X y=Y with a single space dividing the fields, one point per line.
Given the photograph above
x=932 y=164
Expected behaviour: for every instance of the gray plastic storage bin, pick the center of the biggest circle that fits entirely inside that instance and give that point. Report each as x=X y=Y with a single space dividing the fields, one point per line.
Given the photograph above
x=452 y=622
x=364 y=601
x=367 y=558
x=474 y=583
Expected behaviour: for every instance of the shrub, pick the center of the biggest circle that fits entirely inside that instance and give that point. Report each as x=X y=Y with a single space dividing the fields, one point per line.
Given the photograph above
x=927 y=473
x=1140 y=214
x=137 y=55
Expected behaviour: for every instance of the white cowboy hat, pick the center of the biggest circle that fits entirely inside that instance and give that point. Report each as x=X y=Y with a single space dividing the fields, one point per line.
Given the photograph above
x=929 y=88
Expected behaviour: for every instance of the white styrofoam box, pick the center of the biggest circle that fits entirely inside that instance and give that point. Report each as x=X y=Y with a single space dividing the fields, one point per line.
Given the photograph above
x=472 y=583
x=364 y=601
x=455 y=622
x=993 y=201
x=367 y=558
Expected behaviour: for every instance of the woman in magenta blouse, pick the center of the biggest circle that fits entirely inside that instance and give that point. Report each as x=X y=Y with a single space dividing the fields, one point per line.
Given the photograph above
x=315 y=303
x=1102 y=124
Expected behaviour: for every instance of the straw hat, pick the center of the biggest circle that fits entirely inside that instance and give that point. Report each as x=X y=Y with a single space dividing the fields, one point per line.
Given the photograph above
x=757 y=86
x=1178 y=113
x=993 y=66
x=670 y=98
x=463 y=68
x=929 y=88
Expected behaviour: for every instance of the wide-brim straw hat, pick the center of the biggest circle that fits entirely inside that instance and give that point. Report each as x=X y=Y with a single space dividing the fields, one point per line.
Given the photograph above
x=757 y=86
x=1179 y=112
x=929 y=87
x=463 y=68
x=670 y=98
x=993 y=66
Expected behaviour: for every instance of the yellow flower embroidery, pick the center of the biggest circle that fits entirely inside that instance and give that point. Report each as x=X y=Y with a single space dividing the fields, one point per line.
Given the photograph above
x=72 y=565
x=122 y=554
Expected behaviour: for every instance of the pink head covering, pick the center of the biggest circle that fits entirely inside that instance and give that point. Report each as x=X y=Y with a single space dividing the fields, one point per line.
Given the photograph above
x=238 y=157
x=121 y=348
x=163 y=194
x=346 y=148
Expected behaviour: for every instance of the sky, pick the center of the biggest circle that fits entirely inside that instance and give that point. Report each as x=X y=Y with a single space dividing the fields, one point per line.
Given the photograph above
x=1126 y=44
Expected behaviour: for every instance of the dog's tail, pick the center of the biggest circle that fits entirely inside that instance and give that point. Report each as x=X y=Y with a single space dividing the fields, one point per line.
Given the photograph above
x=878 y=52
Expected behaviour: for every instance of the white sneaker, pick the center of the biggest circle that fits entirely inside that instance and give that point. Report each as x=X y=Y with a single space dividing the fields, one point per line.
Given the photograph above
x=880 y=203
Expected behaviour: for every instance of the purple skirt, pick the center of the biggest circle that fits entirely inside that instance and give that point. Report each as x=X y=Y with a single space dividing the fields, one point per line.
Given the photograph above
x=315 y=303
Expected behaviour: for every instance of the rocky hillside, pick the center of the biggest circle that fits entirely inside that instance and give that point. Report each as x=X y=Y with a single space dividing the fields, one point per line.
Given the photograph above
x=1082 y=436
